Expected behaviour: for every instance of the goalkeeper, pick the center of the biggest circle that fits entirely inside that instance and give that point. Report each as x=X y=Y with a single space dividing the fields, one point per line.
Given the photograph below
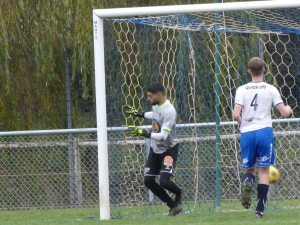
x=164 y=147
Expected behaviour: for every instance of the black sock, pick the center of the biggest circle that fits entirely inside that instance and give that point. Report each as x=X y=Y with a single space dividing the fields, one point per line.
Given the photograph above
x=248 y=177
x=157 y=190
x=262 y=192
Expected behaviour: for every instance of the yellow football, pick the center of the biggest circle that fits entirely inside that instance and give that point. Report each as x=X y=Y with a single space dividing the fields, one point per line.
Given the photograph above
x=274 y=174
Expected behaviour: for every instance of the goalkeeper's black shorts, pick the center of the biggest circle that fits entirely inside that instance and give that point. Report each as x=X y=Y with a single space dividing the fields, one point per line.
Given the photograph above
x=161 y=163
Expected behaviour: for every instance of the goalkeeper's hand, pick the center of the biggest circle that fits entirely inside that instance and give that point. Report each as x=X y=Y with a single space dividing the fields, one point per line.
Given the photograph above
x=133 y=112
x=137 y=132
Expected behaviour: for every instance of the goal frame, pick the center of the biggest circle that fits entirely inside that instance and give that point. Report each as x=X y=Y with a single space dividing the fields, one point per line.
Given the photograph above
x=99 y=64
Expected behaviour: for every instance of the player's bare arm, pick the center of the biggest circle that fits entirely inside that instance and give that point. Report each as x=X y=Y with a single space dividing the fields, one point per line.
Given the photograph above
x=285 y=110
x=237 y=113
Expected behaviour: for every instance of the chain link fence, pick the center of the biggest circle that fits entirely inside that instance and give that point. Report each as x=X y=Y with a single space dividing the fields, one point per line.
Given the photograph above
x=48 y=170
x=59 y=169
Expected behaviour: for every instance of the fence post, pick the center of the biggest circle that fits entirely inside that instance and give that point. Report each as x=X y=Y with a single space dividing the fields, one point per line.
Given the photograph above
x=77 y=173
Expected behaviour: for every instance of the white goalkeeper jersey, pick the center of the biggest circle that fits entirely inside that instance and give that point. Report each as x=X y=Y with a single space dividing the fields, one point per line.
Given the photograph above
x=257 y=99
x=164 y=118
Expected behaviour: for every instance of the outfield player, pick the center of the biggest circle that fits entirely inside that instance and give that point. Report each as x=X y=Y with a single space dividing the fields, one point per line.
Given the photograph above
x=252 y=110
x=164 y=147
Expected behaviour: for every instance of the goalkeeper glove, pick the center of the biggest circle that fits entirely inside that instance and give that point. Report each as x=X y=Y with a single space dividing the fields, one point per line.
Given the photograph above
x=133 y=112
x=136 y=132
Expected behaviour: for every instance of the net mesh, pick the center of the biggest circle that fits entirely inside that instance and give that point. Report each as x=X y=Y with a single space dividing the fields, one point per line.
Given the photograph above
x=201 y=59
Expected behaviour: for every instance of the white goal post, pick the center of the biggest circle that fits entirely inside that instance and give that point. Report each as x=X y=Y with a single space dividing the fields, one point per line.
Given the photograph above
x=100 y=73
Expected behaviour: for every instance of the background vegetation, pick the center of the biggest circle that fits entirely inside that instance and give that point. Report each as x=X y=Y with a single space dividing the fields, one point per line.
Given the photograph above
x=36 y=39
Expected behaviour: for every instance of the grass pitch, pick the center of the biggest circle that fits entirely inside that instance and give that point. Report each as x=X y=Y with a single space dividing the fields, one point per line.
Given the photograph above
x=83 y=216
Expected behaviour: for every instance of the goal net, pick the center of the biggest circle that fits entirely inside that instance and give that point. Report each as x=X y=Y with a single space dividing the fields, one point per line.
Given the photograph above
x=201 y=58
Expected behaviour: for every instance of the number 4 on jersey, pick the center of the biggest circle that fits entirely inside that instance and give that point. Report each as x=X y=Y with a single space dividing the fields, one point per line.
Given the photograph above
x=254 y=102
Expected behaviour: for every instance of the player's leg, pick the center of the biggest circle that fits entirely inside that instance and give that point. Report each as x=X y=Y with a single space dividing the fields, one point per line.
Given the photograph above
x=248 y=180
x=157 y=190
x=152 y=169
x=262 y=191
x=248 y=155
x=266 y=157
x=166 y=183
x=168 y=165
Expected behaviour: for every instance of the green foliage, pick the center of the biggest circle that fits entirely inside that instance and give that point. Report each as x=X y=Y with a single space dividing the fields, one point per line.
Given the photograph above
x=36 y=37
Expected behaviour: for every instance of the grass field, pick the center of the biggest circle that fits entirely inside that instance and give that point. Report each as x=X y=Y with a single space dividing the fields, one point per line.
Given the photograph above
x=81 y=216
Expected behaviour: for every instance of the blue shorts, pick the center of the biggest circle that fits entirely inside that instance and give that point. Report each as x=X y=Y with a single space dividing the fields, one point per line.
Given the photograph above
x=257 y=146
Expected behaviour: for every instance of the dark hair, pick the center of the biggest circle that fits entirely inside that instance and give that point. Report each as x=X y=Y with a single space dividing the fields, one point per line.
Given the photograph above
x=156 y=88
x=256 y=66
